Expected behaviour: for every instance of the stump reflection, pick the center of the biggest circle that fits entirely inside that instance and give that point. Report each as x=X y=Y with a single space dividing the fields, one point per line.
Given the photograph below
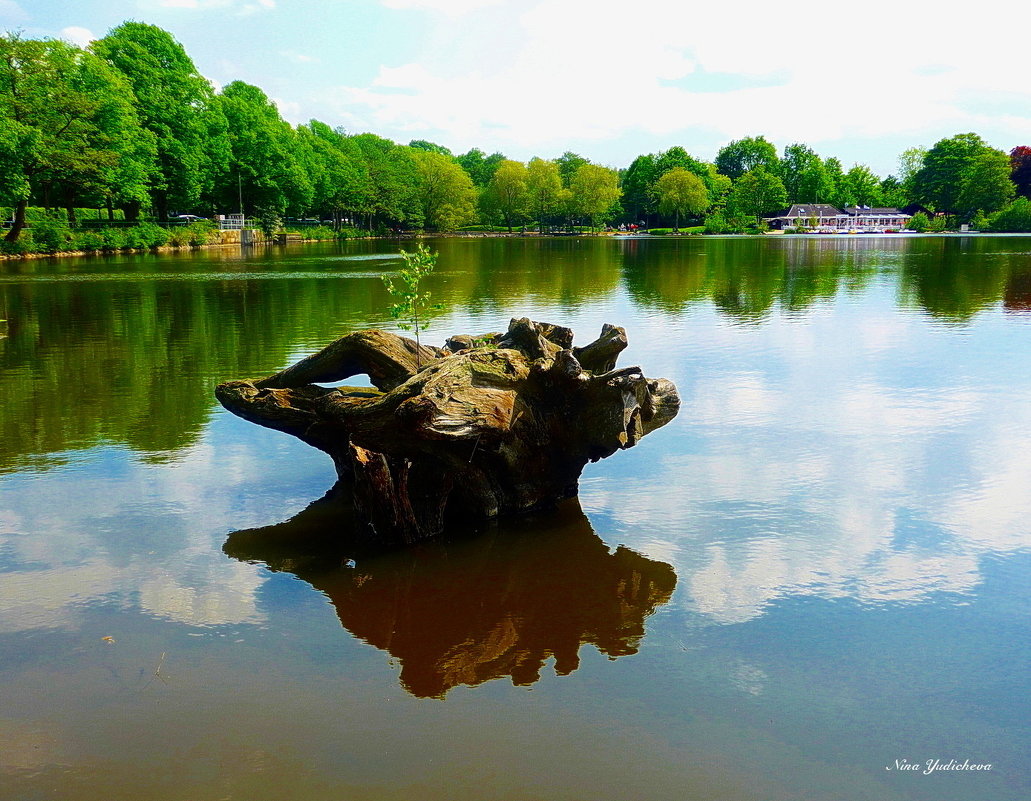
x=462 y=613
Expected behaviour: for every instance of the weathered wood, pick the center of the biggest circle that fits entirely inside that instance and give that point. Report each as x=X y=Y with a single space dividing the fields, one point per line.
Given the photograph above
x=464 y=432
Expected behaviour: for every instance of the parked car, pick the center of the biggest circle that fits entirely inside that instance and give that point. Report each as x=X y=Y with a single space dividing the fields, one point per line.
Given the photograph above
x=188 y=218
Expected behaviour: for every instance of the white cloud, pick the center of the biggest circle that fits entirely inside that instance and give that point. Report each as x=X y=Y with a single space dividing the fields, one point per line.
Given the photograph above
x=298 y=58
x=561 y=71
x=12 y=12
x=78 y=36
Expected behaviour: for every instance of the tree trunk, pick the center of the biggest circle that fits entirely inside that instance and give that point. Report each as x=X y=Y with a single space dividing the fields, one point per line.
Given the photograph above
x=19 y=221
x=462 y=432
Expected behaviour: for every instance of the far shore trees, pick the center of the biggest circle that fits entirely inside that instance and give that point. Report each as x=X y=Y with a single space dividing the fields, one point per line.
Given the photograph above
x=681 y=192
x=507 y=193
x=70 y=133
x=543 y=186
x=595 y=193
x=758 y=192
x=446 y=191
x=744 y=155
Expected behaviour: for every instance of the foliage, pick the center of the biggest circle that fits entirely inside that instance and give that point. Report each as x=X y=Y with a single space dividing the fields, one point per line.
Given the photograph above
x=1020 y=169
x=269 y=221
x=543 y=185
x=919 y=222
x=986 y=184
x=758 y=192
x=50 y=236
x=939 y=180
x=680 y=192
x=594 y=192
x=479 y=165
x=1016 y=217
x=568 y=163
x=176 y=104
x=178 y=237
x=859 y=187
x=804 y=175
x=445 y=190
x=940 y=224
x=744 y=155
x=411 y=304
x=67 y=128
x=507 y=192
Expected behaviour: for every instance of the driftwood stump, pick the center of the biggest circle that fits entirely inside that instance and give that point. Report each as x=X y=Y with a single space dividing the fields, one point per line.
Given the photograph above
x=488 y=426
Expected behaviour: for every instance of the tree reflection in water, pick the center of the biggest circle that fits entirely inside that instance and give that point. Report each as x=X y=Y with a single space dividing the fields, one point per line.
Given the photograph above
x=465 y=612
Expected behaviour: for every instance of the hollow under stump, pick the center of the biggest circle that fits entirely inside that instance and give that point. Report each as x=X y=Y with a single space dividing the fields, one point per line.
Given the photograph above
x=488 y=426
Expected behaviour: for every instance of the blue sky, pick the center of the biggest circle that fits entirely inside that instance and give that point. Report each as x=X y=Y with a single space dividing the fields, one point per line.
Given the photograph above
x=610 y=80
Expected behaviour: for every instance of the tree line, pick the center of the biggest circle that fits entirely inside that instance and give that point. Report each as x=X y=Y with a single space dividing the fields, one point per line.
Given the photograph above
x=129 y=125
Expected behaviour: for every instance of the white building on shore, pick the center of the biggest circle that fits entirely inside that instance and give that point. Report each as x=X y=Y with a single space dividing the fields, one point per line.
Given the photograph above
x=822 y=218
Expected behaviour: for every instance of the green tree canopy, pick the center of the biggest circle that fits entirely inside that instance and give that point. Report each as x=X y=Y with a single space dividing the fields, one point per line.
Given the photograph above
x=68 y=128
x=265 y=154
x=805 y=176
x=758 y=192
x=479 y=165
x=176 y=104
x=860 y=187
x=681 y=192
x=568 y=164
x=595 y=192
x=543 y=185
x=986 y=184
x=395 y=195
x=743 y=155
x=446 y=191
x=507 y=192
x=939 y=180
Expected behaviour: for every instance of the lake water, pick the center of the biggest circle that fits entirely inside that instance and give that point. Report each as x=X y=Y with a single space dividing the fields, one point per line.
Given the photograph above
x=818 y=573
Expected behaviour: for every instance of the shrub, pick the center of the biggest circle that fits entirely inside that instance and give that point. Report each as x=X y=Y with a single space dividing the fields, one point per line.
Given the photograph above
x=50 y=235
x=1015 y=218
x=19 y=247
x=133 y=238
x=940 y=224
x=349 y=233
x=716 y=224
x=113 y=239
x=89 y=240
x=979 y=222
x=269 y=221
x=919 y=222
x=179 y=236
x=151 y=235
x=199 y=232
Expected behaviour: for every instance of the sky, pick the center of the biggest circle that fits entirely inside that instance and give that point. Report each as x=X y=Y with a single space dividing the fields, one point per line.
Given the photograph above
x=608 y=80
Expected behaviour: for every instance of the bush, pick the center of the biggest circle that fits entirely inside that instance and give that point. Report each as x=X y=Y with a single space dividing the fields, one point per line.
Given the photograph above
x=19 y=247
x=1015 y=218
x=349 y=233
x=50 y=235
x=199 y=232
x=88 y=240
x=150 y=235
x=178 y=237
x=113 y=239
x=941 y=223
x=919 y=222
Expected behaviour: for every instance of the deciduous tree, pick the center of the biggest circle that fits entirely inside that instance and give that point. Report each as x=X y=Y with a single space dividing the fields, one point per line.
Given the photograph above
x=446 y=191
x=1020 y=169
x=681 y=192
x=507 y=192
x=743 y=155
x=595 y=191
x=758 y=192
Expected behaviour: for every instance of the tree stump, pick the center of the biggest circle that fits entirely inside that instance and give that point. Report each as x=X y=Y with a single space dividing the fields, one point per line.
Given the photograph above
x=494 y=425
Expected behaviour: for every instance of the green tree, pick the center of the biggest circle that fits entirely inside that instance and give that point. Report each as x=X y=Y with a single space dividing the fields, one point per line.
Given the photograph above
x=986 y=184
x=744 y=155
x=1015 y=218
x=939 y=180
x=758 y=192
x=543 y=185
x=507 y=192
x=395 y=198
x=860 y=187
x=637 y=182
x=568 y=164
x=919 y=222
x=430 y=147
x=265 y=154
x=805 y=176
x=446 y=191
x=337 y=171
x=412 y=303
x=681 y=192
x=595 y=192
x=67 y=128
x=479 y=165
x=176 y=104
